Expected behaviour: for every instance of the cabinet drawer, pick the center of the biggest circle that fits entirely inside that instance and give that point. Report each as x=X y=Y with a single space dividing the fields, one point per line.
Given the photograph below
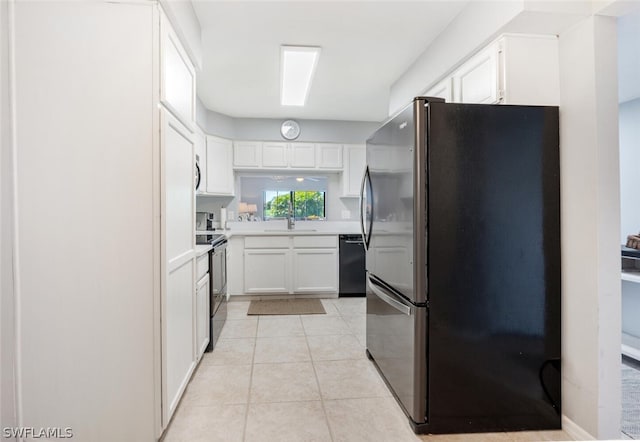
x=202 y=266
x=266 y=242
x=329 y=241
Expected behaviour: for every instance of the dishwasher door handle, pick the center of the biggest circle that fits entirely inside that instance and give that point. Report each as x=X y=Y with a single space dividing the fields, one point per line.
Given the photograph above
x=354 y=242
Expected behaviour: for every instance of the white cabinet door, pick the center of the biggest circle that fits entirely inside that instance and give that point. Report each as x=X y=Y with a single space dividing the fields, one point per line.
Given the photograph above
x=476 y=81
x=219 y=166
x=178 y=78
x=329 y=156
x=202 y=316
x=178 y=168
x=442 y=90
x=247 y=154
x=274 y=155
x=201 y=158
x=315 y=271
x=235 y=266
x=177 y=249
x=355 y=159
x=303 y=155
x=178 y=324
x=266 y=271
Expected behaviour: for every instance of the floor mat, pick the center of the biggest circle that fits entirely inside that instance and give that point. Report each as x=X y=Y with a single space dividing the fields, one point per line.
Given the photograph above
x=286 y=307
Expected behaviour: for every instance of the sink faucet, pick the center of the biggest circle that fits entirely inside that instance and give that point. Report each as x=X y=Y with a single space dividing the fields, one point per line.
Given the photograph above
x=291 y=221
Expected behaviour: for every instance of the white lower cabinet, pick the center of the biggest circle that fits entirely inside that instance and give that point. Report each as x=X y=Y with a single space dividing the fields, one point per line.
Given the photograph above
x=315 y=270
x=177 y=249
x=179 y=333
x=266 y=270
x=288 y=265
x=202 y=316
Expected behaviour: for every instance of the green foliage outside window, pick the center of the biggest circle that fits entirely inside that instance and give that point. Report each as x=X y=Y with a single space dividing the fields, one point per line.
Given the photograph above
x=307 y=204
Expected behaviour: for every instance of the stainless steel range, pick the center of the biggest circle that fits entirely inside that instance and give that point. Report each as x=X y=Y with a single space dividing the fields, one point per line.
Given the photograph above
x=218 y=295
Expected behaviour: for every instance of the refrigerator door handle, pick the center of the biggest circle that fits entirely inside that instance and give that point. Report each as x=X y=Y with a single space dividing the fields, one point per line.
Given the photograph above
x=388 y=298
x=363 y=201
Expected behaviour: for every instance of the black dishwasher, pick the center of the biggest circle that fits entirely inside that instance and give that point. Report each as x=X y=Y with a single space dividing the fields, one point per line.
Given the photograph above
x=352 y=268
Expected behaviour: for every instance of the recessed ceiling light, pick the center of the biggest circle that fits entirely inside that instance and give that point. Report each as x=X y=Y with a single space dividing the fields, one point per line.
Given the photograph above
x=299 y=179
x=297 y=66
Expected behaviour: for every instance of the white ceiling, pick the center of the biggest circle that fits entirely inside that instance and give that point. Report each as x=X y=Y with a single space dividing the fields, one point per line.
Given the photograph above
x=366 y=46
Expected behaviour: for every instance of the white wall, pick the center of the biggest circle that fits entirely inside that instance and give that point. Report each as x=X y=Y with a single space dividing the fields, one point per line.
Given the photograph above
x=631 y=310
x=629 y=168
x=220 y=125
x=590 y=227
x=8 y=416
x=629 y=56
x=322 y=131
x=268 y=129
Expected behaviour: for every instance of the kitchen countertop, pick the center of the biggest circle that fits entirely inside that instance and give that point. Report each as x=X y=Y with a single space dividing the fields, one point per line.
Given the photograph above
x=294 y=232
x=302 y=228
x=201 y=249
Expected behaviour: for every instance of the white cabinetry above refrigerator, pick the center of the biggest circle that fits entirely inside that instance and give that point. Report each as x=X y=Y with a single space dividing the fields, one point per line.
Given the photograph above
x=513 y=69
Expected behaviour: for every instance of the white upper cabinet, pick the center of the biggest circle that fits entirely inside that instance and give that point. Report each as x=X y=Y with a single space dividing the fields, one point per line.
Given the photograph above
x=442 y=90
x=477 y=80
x=355 y=159
x=303 y=155
x=530 y=70
x=514 y=69
x=178 y=78
x=329 y=156
x=179 y=204
x=247 y=154
x=219 y=166
x=274 y=155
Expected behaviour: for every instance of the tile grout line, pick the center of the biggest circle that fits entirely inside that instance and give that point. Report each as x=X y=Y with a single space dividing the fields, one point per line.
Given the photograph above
x=253 y=357
x=315 y=373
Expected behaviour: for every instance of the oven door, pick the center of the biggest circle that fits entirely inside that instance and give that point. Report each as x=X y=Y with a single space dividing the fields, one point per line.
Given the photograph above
x=218 y=299
x=218 y=276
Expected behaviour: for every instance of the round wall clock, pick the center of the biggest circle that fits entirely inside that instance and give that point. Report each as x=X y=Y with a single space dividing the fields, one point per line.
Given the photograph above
x=290 y=130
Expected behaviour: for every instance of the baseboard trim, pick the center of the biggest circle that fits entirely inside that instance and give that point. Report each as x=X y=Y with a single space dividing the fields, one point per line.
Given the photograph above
x=574 y=430
x=263 y=297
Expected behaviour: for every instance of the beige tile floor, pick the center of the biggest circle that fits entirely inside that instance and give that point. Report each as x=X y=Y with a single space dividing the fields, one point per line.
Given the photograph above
x=299 y=378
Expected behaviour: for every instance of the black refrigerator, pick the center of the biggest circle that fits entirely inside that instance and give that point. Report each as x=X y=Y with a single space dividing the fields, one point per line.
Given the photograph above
x=460 y=216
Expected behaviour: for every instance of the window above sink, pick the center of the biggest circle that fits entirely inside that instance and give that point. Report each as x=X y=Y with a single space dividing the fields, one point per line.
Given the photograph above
x=274 y=197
